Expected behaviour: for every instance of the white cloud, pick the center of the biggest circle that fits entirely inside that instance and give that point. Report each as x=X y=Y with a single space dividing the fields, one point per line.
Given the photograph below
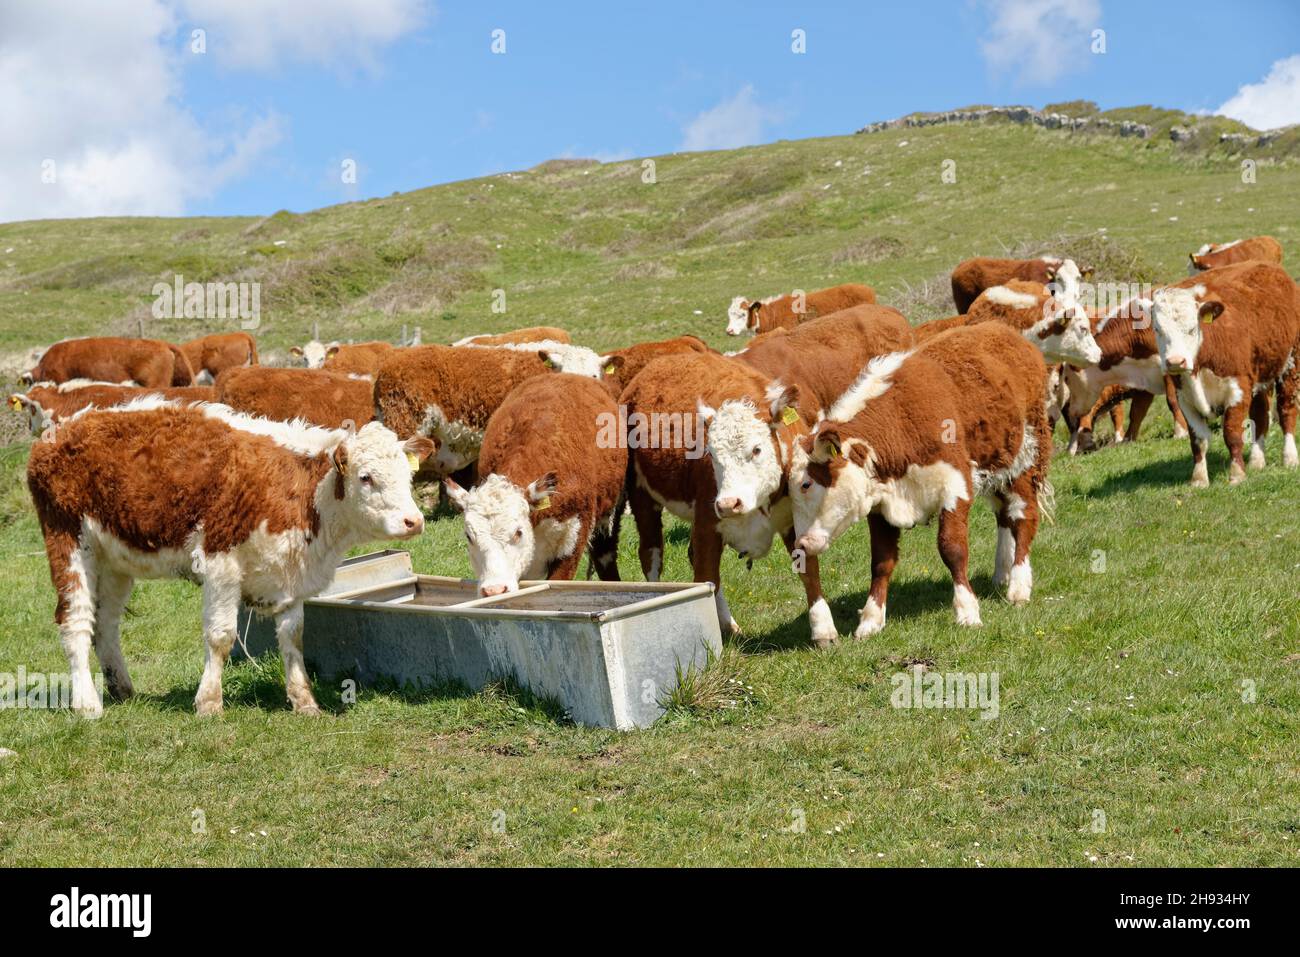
x=335 y=33
x=739 y=121
x=1272 y=103
x=96 y=89
x=1039 y=40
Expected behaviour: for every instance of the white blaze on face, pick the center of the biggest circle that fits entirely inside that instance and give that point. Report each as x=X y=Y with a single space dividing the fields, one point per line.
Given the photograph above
x=312 y=355
x=823 y=514
x=500 y=536
x=1175 y=317
x=1074 y=344
x=1068 y=282
x=745 y=462
x=576 y=360
x=377 y=482
x=738 y=316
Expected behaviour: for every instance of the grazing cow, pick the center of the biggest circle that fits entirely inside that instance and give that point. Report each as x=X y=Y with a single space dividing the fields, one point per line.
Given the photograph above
x=973 y=276
x=361 y=359
x=209 y=356
x=1228 y=335
x=1129 y=367
x=775 y=312
x=667 y=406
x=621 y=366
x=821 y=357
x=150 y=363
x=448 y=393
x=1213 y=255
x=530 y=334
x=922 y=433
x=316 y=396
x=1059 y=327
x=250 y=509
x=551 y=469
x=46 y=406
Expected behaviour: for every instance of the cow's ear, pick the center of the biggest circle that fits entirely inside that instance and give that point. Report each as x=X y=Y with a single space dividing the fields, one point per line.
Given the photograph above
x=331 y=352
x=340 y=458
x=1209 y=311
x=827 y=445
x=420 y=446
x=295 y=351
x=540 y=491
x=609 y=365
x=1085 y=272
x=785 y=406
x=546 y=358
x=18 y=401
x=1195 y=262
x=455 y=493
x=705 y=411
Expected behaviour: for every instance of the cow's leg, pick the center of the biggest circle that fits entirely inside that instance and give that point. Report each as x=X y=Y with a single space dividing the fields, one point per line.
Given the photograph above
x=1259 y=425
x=1287 y=388
x=1137 y=412
x=603 y=546
x=1023 y=513
x=820 y=621
x=73 y=570
x=221 y=589
x=706 y=559
x=114 y=590
x=649 y=518
x=954 y=529
x=288 y=633
x=1117 y=420
x=1175 y=408
x=884 y=556
x=1005 y=555
x=1198 y=433
x=1234 y=434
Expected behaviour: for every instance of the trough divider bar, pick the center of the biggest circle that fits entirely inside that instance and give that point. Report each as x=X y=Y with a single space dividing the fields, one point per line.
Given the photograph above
x=367 y=589
x=504 y=596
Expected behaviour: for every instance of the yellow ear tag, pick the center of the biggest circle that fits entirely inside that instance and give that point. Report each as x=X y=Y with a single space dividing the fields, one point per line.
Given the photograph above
x=789 y=416
x=16 y=403
x=543 y=505
x=609 y=369
x=548 y=363
x=413 y=461
x=835 y=453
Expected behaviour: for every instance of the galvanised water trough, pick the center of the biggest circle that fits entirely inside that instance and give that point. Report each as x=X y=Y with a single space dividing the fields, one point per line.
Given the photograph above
x=608 y=652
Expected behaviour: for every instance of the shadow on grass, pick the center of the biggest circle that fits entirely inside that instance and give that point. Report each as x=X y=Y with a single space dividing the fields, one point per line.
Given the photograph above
x=1166 y=473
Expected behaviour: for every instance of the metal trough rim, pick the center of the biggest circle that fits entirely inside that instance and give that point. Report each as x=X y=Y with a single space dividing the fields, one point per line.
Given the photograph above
x=663 y=594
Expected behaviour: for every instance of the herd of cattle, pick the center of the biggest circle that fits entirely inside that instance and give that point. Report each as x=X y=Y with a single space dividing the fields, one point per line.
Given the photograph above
x=194 y=461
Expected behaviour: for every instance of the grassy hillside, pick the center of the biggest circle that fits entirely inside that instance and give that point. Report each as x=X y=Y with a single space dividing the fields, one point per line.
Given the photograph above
x=1124 y=685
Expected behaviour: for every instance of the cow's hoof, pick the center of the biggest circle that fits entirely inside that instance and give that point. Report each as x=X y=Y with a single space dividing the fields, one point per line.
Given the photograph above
x=1180 y=432
x=90 y=710
x=309 y=709
x=207 y=708
x=871 y=620
x=1236 y=474
x=967 y=607
x=824 y=643
x=119 y=689
x=1200 y=481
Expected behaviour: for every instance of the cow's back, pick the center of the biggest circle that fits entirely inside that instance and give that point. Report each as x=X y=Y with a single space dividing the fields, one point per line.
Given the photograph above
x=149 y=362
x=317 y=396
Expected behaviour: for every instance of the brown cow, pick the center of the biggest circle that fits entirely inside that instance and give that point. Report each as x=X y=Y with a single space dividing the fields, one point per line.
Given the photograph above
x=316 y=396
x=209 y=356
x=621 y=366
x=150 y=363
x=1049 y=318
x=924 y=433
x=552 y=469
x=46 y=406
x=256 y=511
x=973 y=276
x=760 y=316
x=1229 y=335
x=1213 y=255
x=362 y=358
x=529 y=334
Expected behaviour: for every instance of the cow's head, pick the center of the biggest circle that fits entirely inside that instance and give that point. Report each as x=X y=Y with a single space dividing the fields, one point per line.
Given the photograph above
x=38 y=420
x=738 y=316
x=746 y=450
x=313 y=354
x=1177 y=316
x=831 y=488
x=499 y=527
x=1065 y=280
x=1196 y=262
x=372 y=482
x=576 y=360
x=1064 y=334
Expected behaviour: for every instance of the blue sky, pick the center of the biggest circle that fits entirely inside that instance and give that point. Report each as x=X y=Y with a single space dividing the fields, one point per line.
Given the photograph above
x=134 y=121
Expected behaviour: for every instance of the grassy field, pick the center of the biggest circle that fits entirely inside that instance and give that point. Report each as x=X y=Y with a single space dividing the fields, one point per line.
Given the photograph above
x=1155 y=677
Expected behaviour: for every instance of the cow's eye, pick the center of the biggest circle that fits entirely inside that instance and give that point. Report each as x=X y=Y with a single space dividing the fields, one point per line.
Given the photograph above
x=807 y=484
x=758 y=449
x=364 y=478
x=519 y=533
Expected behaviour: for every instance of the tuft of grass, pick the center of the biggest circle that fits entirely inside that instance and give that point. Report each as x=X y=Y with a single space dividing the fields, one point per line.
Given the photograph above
x=721 y=685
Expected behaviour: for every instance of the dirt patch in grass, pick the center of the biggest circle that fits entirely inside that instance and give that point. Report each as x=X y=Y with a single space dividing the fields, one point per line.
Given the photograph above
x=864 y=252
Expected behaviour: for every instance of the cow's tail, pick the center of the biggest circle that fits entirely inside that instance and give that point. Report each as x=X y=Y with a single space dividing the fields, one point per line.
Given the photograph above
x=182 y=371
x=252 y=351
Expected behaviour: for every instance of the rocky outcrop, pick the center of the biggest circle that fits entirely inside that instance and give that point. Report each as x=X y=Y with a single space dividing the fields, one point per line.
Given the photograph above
x=1017 y=114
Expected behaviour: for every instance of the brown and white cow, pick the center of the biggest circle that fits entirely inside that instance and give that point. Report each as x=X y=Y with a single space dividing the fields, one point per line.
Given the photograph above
x=973 y=276
x=312 y=354
x=621 y=366
x=320 y=397
x=1229 y=335
x=551 y=474
x=921 y=434
x=560 y=356
x=209 y=356
x=448 y=393
x=151 y=363
x=250 y=509
x=515 y=336
x=759 y=316
x=1051 y=319
x=1213 y=255
x=46 y=406
x=359 y=359
x=667 y=406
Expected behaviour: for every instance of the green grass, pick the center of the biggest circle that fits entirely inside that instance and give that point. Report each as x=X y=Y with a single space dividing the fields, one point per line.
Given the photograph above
x=1120 y=689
